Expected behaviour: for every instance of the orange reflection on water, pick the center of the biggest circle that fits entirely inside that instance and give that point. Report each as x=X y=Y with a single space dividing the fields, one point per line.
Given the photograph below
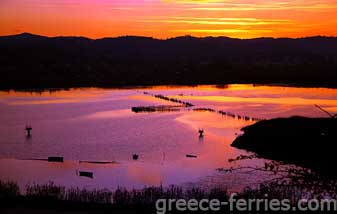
x=144 y=174
x=283 y=100
x=110 y=114
x=57 y=93
x=212 y=120
x=267 y=90
x=51 y=96
x=74 y=95
x=162 y=140
x=214 y=147
x=149 y=99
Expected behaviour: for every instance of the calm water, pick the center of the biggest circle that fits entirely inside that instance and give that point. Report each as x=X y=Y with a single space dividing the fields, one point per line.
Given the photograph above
x=98 y=125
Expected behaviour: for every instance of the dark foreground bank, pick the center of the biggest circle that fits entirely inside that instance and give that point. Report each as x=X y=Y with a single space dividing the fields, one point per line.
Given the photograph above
x=308 y=142
x=56 y=199
x=32 y=61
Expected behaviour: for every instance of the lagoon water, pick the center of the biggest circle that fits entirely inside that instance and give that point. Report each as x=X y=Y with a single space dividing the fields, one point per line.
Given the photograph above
x=92 y=124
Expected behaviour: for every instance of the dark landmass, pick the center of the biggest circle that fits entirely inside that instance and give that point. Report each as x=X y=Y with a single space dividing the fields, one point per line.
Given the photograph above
x=31 y=61
x=307 y=142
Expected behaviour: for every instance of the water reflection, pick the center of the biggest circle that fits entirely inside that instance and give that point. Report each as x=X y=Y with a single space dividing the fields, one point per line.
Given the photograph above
x=97 y=125
x=201 y=139
x=110 y=114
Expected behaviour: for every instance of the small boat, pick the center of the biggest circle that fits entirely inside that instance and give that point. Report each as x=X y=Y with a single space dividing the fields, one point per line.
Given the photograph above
x=55 y=159
x=135 y=157
x=86 y=174
x=191 y=156
x=98 y=162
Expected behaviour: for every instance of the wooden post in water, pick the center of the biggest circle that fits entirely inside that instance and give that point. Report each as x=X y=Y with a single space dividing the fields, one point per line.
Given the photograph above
x=201 y=133
x=28 y=131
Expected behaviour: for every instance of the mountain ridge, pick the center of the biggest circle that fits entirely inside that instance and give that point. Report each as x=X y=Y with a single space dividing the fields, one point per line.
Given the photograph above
x=27 y=34
x=29 y=60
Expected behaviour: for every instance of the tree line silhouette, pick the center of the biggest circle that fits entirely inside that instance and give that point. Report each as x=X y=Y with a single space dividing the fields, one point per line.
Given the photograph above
x=32 y=61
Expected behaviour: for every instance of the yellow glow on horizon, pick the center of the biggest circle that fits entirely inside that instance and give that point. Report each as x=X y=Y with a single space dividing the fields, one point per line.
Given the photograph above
x=170 y=18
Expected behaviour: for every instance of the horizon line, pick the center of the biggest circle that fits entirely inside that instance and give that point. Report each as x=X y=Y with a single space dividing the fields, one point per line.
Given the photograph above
x=162 y=39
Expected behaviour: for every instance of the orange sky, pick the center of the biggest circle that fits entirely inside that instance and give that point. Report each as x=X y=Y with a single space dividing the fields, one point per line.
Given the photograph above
x=169 y=18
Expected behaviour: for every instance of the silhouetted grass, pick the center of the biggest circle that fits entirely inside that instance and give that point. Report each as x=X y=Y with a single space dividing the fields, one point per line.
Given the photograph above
x=88 y=196
x=9 y=190
x=121 y=196
x=47 y=191
x=275 y=191
x=51 y=196
x=149 y=195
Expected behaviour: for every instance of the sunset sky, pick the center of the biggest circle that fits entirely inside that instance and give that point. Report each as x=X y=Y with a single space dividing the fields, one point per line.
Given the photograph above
x=170 y=18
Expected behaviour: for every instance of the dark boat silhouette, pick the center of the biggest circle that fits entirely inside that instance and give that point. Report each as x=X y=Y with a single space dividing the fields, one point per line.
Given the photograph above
x=86 y=174
x=55 y=159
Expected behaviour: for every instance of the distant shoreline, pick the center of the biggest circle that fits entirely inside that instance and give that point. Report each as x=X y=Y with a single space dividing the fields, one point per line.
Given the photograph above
x=162 y=39
x=140 y=86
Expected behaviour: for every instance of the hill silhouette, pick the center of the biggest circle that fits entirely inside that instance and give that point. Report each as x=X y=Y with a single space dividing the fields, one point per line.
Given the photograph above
x=32 y=61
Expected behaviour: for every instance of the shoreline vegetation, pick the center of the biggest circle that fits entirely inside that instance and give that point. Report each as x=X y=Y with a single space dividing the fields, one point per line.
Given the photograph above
x=50 y=197
x=32 y=61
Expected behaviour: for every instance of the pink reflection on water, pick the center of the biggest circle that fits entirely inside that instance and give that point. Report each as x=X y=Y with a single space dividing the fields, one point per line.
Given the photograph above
x=98 y=125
